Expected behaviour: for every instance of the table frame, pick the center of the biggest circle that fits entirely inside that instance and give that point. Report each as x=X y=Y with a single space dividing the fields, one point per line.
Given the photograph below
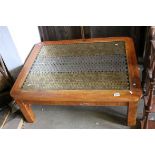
x=128 y=98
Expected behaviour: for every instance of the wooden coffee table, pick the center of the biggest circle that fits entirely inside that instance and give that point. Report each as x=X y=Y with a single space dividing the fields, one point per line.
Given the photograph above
x=89 y=72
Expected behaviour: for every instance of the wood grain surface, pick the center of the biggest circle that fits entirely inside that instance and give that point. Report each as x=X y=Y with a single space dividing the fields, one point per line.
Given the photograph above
x=81 y=97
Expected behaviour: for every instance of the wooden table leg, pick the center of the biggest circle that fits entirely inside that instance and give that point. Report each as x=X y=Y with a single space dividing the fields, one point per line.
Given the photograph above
x=132 y=113
x=27 y=111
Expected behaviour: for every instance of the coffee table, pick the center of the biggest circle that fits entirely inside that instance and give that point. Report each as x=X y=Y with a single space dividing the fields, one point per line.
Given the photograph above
x=83 y=72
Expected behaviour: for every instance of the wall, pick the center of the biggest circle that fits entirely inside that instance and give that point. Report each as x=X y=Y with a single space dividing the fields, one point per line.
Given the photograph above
x=15 y=44
x=24 y=38
x=9 y=51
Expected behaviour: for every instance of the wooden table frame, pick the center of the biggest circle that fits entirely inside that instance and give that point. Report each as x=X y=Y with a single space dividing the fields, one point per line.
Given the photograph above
x=127 y=98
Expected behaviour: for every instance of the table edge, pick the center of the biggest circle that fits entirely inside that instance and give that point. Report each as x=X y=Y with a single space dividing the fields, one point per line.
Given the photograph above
x=135 y=91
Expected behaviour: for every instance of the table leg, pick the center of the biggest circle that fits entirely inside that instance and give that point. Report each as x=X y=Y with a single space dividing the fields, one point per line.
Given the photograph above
x=132 y=113
x=27 y=111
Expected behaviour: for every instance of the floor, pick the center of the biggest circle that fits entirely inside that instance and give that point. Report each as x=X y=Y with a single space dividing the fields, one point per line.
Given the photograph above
x=71 y=117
